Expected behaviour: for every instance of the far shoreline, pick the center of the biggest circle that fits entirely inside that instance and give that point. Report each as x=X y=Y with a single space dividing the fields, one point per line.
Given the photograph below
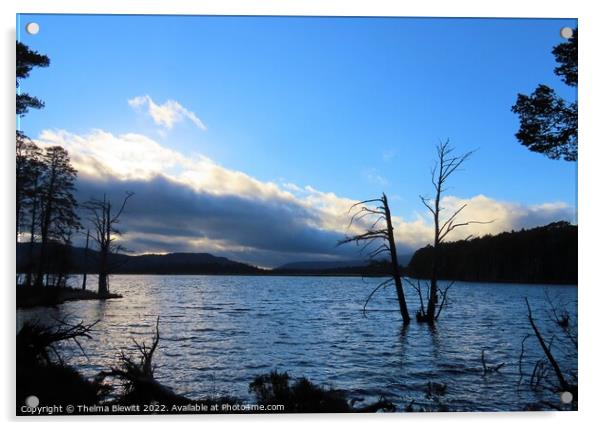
x=331 y=275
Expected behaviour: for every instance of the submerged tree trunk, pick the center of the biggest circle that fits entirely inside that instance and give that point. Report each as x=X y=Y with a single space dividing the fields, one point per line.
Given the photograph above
x=103 y=272
x=85 y=274
x=403 y=307
x=32 y=235
x=103 y=286
x=433 y=291
x=103 y=279
x=45 y=223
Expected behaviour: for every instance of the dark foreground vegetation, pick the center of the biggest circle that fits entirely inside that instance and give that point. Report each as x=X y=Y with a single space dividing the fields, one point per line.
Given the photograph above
x=130 y=385
x=543 y=255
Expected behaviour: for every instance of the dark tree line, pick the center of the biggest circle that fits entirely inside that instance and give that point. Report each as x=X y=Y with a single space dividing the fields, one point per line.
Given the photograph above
x=46 y=208
x=47 y=216
x=48 y=219
x=540 y=255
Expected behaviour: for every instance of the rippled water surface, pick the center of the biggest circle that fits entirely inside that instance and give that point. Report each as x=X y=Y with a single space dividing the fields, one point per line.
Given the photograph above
x=218 y=332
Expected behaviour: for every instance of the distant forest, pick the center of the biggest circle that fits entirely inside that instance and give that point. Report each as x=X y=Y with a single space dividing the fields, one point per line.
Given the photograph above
x=540 y=255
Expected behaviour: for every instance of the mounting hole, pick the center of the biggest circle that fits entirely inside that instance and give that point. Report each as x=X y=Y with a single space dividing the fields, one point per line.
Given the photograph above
x=566 y=32
x=32 y=28
x=566 y=397
x=32 y=401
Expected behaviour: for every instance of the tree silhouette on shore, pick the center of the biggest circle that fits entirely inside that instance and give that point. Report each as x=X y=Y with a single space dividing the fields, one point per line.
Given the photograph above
x=46 y=209
x=548 y=123
x=27 y=59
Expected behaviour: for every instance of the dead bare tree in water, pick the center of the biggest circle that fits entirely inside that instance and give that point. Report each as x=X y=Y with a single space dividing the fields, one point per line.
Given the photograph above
x=104 y=221
x=445 y=166
x=379 y=232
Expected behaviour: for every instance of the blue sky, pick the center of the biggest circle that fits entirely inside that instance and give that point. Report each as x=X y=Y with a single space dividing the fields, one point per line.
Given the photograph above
x=350 y=106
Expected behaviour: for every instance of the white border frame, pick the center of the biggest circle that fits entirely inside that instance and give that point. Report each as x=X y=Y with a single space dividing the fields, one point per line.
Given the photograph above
x=589 y=197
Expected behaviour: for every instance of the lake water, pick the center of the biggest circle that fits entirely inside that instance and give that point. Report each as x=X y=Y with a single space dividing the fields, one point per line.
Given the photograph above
x=219 y=332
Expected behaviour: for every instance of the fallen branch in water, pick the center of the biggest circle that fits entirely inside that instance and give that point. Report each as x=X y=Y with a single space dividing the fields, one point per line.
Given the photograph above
x=489 y=369
x=540 y=371
x=564 y=385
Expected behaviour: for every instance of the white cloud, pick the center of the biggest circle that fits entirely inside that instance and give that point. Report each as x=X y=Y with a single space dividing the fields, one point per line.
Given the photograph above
x=132 y=156
x=103 y=156
x=505 y=216
x=166 y=114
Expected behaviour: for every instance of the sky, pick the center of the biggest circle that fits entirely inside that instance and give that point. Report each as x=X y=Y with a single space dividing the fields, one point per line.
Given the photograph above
x=250 y=137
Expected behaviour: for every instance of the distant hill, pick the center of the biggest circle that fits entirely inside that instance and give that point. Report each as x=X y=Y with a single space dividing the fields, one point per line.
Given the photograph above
x=545 y=254
x=334 y=265
x=177 y=263
x=65 y=259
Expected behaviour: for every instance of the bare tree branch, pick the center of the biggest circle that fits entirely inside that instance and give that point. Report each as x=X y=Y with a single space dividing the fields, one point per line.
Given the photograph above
x=128 y=195
x=427 y=204
x=444 y=298
x=489 y=369
x=378 y=287
x=387 y=246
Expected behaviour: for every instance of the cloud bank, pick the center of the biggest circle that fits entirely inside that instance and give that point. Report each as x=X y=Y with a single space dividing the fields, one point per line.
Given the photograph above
x=191 y=203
